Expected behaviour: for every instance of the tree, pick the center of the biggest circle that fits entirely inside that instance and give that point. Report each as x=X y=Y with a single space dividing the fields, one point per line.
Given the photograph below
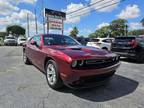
x=92 y=35
x=3 y=34
x=119 y=27
x=116 y=28
x=81 y=36
x=137 y=32
x=103 y=32
x=15 y=30
x=74 y=32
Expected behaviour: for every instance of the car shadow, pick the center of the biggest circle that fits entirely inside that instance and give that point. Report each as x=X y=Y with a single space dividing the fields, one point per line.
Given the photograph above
x=129 y=60
x=118 y=87
x=124 y=59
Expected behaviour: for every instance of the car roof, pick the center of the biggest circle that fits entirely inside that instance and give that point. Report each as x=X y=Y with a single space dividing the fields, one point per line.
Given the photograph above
x=126 y=37
x=49 y=34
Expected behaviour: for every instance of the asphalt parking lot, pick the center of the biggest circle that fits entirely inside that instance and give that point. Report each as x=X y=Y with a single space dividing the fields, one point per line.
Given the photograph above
x=24 y=86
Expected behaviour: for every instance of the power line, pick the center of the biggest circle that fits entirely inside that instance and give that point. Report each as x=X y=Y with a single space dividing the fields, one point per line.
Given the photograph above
x=85 y=7
x=96 y=9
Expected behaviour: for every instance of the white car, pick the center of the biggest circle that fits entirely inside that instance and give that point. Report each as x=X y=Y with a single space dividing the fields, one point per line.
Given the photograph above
x=21 y=41
x=10 y=40
x=102 y=43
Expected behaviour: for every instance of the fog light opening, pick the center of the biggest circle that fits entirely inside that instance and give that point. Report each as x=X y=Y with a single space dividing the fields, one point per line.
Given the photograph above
x=81 y=63
x=74 y=63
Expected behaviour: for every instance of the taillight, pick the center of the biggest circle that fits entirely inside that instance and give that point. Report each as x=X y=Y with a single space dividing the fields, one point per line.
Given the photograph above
x=133 y=43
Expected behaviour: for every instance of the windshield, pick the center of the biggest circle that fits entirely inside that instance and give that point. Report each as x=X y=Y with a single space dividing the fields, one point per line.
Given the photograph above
x=124 y=39
x=94 y=40
x=59 y=40
x=23 y=39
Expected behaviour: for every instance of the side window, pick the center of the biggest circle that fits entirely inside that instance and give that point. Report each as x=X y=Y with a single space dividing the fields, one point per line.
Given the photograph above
x=37 y=39
x=31 y=39
x=107 y=40
x=49 y=41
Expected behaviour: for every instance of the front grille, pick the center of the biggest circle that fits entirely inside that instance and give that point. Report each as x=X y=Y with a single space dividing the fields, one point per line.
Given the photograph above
x=96 y=78
x=97 y=64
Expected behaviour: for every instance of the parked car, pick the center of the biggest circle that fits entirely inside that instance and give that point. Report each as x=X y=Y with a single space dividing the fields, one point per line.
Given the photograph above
x=65 y=61
x=102 y=43
x=9 y=40
x=21 y=41
x=131 y=47
x=82 y=40
x=1 y=41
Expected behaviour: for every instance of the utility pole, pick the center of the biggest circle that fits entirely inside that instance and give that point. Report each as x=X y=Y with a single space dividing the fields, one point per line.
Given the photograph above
x=47 y=25
x=126 y=30
x=28 y=24
x=36 y=27
x=62 y=27
x=43 y=16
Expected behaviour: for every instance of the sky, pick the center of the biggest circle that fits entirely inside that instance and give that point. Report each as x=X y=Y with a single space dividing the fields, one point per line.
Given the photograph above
x=87 y=20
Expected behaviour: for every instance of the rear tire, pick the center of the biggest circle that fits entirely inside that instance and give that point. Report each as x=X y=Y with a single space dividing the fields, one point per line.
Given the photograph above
x=52 y=75
x=25 y=59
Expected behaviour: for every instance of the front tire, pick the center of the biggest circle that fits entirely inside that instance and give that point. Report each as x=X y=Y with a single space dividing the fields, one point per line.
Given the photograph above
x=52 y=75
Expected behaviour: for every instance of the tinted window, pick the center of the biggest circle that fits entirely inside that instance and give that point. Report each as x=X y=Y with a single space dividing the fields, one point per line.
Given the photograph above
x=107 y=40
x=94 y=40
x=124 y=39
x=10 y=38
x=23 y=39
x=59 y=40
x=37 y=39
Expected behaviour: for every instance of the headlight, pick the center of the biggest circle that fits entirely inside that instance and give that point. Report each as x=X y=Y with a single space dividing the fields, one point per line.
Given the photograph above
x=77 y=63
x=80 y=63
x=116 y=58
x=74 y=63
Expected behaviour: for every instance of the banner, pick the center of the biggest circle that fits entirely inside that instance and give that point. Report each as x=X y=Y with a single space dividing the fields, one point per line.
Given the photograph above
x=55 y=25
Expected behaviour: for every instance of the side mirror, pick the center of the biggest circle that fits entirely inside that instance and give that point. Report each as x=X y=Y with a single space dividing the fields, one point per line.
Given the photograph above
x=33 y=43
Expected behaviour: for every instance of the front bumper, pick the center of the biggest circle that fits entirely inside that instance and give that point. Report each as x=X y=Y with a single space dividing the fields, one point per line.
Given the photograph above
x=89 y=77
x=10 y=43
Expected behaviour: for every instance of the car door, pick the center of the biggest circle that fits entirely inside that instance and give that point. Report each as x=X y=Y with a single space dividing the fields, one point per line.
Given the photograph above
x=38 y=53
x=30 y=50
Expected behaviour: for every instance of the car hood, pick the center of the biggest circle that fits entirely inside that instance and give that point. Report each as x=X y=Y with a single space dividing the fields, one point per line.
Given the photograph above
x=81 y=52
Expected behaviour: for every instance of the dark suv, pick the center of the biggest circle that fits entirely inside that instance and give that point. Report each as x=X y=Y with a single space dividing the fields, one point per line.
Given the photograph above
x=131 y=47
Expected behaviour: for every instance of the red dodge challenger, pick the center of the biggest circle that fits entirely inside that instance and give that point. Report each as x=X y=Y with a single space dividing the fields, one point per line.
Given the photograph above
x=66 y=62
